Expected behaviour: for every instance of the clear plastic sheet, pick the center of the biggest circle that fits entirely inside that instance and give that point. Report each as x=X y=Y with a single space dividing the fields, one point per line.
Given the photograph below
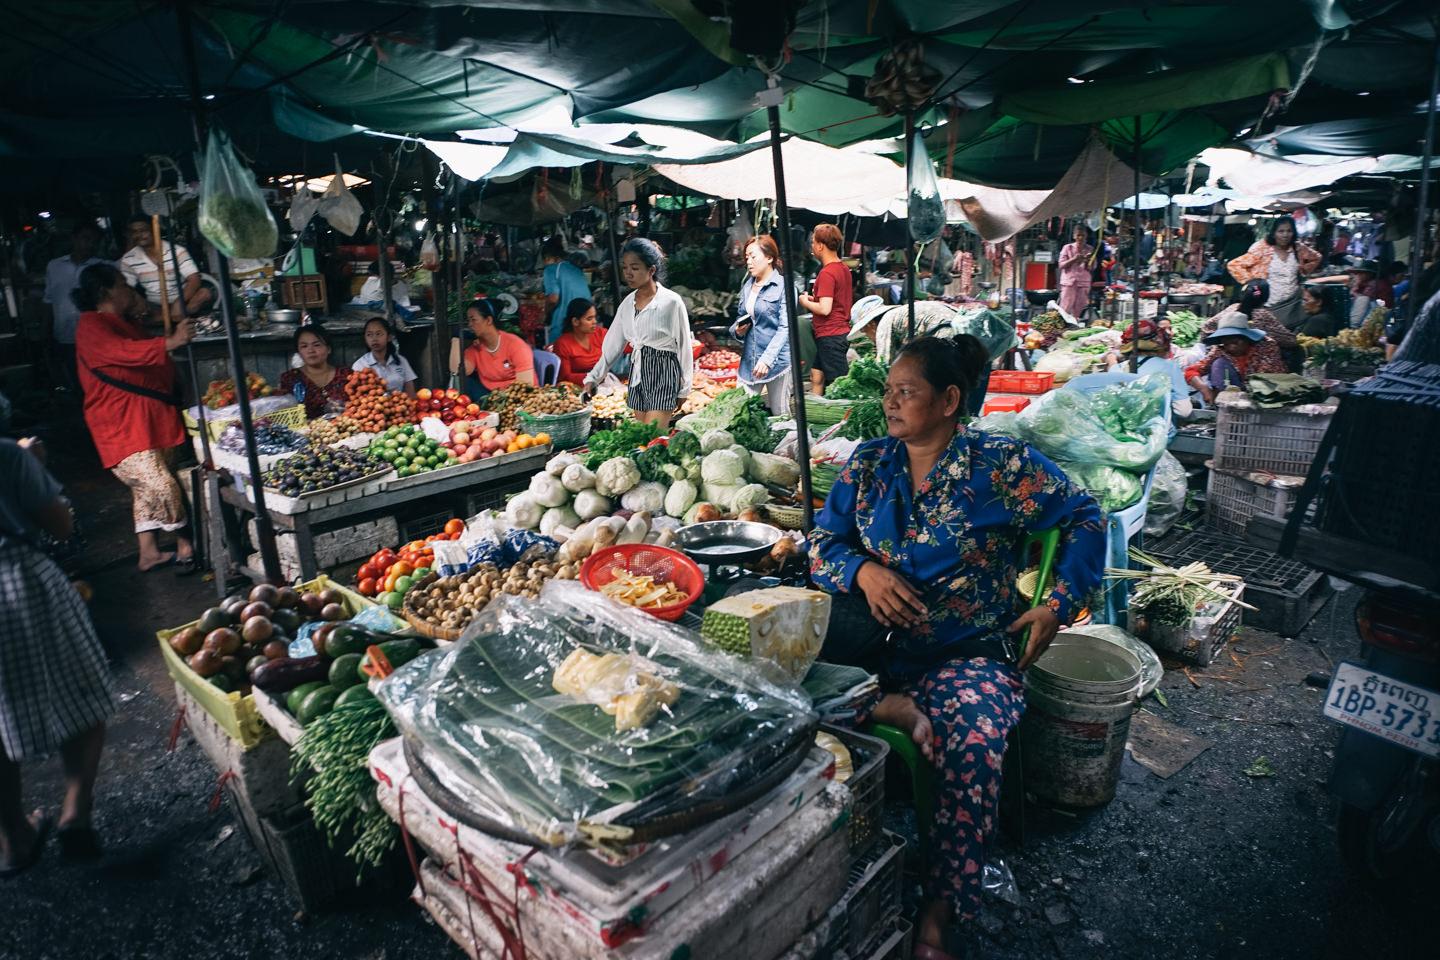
x=1167 y=496
x=1121 y=425
x=491 y=727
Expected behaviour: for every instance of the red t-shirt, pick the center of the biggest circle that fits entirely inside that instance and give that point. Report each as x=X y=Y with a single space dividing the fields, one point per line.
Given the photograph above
x=497 y=370
x=317 y=399
x=121 y=422
x=834 y=281
x=575 y=360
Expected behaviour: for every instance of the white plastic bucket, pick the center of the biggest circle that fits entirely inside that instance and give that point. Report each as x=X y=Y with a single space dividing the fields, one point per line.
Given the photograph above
x=1079 y=698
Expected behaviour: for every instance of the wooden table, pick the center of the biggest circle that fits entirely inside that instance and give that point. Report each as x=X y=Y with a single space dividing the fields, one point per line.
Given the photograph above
x=447 y=483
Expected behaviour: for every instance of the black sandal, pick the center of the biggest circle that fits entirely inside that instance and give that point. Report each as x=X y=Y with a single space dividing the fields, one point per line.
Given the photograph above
x=78 y=843
x=185 y=566
x=37 y=847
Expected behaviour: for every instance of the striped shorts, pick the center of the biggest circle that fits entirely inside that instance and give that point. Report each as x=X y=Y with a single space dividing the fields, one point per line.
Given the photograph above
x=662 y=383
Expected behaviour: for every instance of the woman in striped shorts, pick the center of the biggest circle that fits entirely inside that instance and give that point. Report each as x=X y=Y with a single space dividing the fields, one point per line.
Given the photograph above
x=653 y=321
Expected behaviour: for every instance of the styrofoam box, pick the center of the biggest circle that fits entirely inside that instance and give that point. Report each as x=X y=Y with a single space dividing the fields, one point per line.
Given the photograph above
x=759 y=904
x=602 y=906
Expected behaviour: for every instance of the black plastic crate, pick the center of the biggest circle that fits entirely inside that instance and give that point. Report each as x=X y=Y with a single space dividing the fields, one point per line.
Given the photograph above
x=1285 y=593
x=871 y=902
x=867 y=785
x=423 y=526
x=493 y=496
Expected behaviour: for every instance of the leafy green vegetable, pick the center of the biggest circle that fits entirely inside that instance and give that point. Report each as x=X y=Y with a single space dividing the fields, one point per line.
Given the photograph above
x=745 y=417
x=238 y=226
x=1185 y=327
x=683 y=446
x=865 y=380
x=652 y=462
x=620 y=442
x=866 y=421
x=752 y=430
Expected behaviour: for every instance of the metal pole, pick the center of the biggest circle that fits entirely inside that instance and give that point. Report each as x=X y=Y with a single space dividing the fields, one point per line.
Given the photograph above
x=269 y=555
x=460 y=299
x=1422 y=208
x=614 y=213
x=383 y=258
x=1135 y=259
x=772 y=97
x=911 y=253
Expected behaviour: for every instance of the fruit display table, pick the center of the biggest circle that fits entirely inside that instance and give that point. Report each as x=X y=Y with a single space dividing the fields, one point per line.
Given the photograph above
x=305 y=523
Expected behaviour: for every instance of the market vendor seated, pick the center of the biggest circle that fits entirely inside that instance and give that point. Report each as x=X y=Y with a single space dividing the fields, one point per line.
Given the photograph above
x=145 y=259
x=919 y=541
x=318 y=384
x=1153 y=351
x=496 y=359
x=1244 y=339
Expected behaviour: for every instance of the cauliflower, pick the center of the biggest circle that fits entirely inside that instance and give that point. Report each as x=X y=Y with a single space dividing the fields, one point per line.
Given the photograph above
x=522 y=511
x=556 y=465
x=712 y=440
x=678 y=499
x=577 y=477
x=548 y=491
x=646 y=495
x=616 y=476
x=589 y=504
x=722 y=466
x=750 y=495
x=558 y=517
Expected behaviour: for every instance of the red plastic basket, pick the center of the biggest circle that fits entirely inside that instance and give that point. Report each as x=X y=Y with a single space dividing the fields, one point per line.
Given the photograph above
x=1004 y=405
x=1021 y=381
x=646 y=560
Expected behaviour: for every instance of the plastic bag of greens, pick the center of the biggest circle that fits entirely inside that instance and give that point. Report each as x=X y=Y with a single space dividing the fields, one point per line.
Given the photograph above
x=1167 y=496
x=233 y=215
x=926 y=211
x=1113 y=488
x=1125 y=408
x=1066 y=425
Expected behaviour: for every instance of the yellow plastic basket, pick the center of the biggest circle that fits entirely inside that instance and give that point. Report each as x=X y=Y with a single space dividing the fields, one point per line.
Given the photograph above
x=236 y=714
x=292 y=417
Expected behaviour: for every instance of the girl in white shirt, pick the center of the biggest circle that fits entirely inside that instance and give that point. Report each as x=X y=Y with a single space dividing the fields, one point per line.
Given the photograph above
x=653 y=320
x=385 y=359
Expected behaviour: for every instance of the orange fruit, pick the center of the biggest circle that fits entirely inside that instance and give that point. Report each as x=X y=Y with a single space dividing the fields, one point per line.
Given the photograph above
x=542 y=438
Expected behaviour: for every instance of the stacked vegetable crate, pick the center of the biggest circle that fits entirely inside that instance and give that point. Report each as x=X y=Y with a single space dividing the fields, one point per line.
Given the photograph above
x=1232 y=500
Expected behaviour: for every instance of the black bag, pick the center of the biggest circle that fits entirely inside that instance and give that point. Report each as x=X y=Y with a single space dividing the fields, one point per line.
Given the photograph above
x=173 y=399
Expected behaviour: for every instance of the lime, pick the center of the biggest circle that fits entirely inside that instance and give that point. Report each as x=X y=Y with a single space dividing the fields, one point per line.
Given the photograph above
x=403 y=583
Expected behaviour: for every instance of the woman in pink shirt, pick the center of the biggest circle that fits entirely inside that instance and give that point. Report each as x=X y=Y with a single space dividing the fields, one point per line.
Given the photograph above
x=1075 y=272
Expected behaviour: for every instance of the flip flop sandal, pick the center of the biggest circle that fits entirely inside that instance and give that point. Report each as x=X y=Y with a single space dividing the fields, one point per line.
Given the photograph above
x=78 y=843
x=161 y=565
x=185 y=566
x=42 y=832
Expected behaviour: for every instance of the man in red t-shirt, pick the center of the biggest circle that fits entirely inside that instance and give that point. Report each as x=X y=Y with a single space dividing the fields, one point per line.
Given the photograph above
x=829 y=308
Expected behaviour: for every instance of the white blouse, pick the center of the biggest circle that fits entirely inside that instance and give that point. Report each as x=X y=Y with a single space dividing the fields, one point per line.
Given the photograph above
x=395 y=374
x=664 y=324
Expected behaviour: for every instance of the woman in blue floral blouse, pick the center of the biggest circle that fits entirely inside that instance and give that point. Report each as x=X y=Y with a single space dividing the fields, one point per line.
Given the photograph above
x=919 y=541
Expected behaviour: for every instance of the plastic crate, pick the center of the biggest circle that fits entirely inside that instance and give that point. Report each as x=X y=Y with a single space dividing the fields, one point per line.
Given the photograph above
x=1232 y=501
x=867 y=785
x=1021 y=381
x=566 y=430
x=1199 y=642
x=871 y=902
x=1004 y=405
x=423 y=526
x=494 y=496
x=292 y=417
x=897 y=942
x=1282 y=441
x=1285 y=593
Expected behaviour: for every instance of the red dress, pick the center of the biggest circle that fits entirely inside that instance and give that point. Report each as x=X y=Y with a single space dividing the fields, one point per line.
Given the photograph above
x=575 y=360
x=317 y=399
x=123 y=423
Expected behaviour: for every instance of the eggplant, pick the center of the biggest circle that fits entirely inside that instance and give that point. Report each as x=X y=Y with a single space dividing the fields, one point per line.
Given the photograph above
x=278 y=676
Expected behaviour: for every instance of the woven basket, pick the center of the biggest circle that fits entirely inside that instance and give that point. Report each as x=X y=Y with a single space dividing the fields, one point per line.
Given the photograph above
x=785 y=516
x=420 y=624
x=566 y=430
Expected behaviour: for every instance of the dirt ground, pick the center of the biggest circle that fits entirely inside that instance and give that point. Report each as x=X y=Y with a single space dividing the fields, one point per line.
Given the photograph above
x=1210 y=862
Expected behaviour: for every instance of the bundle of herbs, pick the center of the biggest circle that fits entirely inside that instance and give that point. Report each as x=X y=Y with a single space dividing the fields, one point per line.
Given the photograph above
x=1173 y=596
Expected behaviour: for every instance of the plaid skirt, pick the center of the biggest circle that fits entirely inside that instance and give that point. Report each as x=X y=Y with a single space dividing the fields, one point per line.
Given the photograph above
x=54 y=681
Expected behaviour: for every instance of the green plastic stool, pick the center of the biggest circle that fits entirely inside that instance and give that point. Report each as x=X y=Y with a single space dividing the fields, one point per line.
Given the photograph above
x=921 y=773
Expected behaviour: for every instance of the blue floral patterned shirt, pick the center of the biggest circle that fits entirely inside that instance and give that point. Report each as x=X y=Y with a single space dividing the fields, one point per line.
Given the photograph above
x=958 y=539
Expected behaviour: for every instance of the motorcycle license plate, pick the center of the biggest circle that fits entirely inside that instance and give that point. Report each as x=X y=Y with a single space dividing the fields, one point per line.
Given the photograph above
x=1385 y=707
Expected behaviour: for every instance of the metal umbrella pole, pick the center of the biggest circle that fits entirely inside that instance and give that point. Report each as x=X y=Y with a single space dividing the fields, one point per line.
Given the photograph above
x=269 y=555
x=1135 y=259
x=911 y=253
x=772 y=97
x=1422 y=208
x=202 y=546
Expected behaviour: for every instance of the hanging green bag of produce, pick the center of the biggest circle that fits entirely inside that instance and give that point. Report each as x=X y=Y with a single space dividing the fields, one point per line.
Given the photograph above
x=927 y=210
x=233 y=215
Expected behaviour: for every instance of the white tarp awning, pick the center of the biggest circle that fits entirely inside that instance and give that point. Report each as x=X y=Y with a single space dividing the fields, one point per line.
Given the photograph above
x=1255 y=176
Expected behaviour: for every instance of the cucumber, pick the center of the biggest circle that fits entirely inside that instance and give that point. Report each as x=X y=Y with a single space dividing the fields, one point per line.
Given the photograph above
x=353 y=694
x=298 y=695
x=345 y=671
x=317 y=704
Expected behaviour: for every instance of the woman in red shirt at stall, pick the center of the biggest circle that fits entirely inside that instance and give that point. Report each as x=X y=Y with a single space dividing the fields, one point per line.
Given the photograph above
x=322 y=385
x=578 y=347
x=496 y=360
x=130 y=407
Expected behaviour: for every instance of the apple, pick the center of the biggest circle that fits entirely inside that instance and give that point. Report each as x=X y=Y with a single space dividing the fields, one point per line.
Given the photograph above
x=462 y=401
x=461 y=438
x=488 y=433
x=452 y=393
x=472 y=409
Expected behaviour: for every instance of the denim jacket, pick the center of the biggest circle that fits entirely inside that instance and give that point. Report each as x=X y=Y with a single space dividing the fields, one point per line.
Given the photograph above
x=768 y=339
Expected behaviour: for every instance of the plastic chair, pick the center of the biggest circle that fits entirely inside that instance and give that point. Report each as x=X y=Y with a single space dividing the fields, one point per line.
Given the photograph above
x=547 y=367
x=1126 y=526
x=922 y=773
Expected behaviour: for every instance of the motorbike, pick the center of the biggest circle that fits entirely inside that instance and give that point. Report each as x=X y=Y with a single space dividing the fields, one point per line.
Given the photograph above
x=1386 y=773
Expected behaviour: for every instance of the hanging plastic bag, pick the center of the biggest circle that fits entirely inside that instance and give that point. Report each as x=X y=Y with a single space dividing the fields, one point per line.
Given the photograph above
x=430 y=253
x=233 y=215
x=339 y=207
x=926 y=209
x=303 y=207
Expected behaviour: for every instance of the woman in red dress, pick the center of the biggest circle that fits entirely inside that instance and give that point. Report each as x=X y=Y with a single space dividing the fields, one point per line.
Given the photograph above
x=322 y=385
x=130 y=406
x=578 y=347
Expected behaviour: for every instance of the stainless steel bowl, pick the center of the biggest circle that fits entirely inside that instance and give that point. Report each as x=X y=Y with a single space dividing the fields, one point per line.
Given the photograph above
x=727 y=541
x=282 y=315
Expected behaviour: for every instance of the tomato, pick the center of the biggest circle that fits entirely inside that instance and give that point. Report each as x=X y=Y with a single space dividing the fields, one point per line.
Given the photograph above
x=420 y=574
x=402 y=568
x=432 y=538
x=367 y=572
x=403 y=584
x=383 y=556
x=367 y=587
x=455 y=526
x=415 y=546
